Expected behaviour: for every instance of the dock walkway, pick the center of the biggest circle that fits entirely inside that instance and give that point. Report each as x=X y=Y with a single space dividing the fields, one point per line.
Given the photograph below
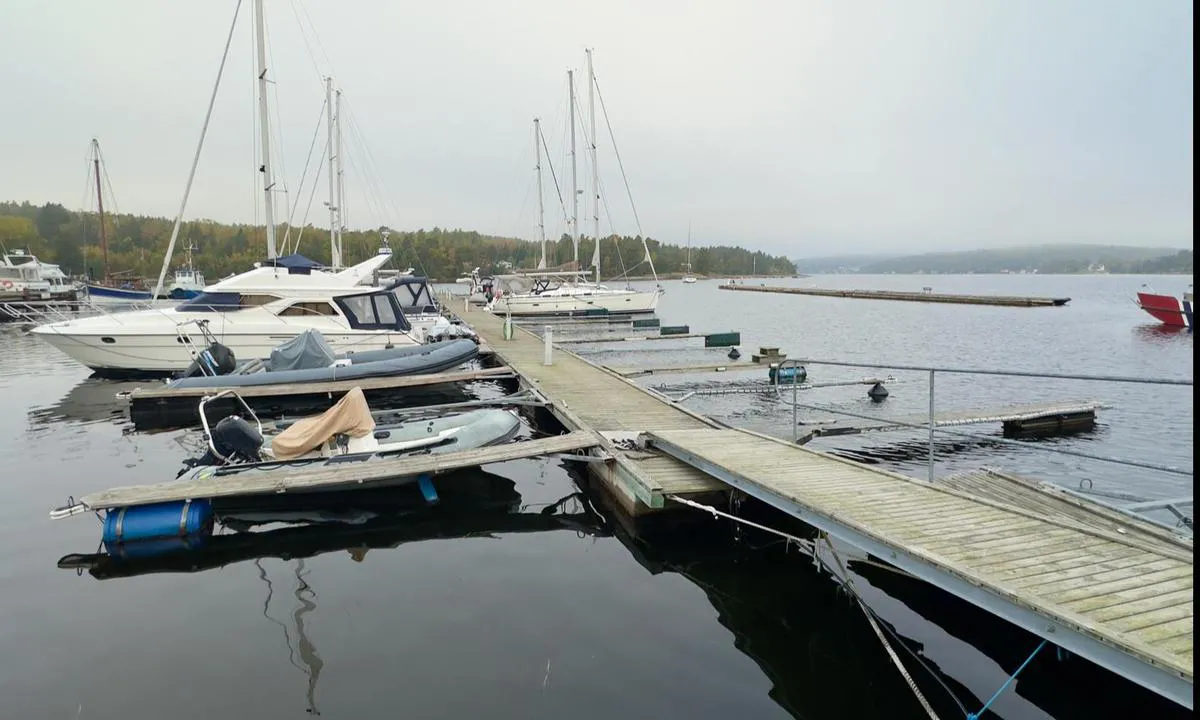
x=584 y=395
x=1121 y=597
x=1102 y=586
x=928 y=297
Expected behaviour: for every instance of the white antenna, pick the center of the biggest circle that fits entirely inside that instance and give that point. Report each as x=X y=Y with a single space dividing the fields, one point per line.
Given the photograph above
x=537 y=144
x=595 y=169
x=574 y=176
x=334 y=256
x=265 y=129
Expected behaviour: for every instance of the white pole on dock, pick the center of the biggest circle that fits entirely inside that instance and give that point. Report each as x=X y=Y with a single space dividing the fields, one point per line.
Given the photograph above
x=548 y=345
x=932 y=424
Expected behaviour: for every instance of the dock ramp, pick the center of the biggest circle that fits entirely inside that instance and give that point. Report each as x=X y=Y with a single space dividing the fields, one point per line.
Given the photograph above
x=1119 y=598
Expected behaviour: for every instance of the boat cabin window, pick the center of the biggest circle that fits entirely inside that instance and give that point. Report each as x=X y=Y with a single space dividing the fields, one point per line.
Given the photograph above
x=414 y=296
x=308 y=309
x=373 y=311
x=224 y=302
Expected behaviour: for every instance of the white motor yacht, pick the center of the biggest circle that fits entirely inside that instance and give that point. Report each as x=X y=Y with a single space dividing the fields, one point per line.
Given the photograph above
x=253 y=312
x=23 y=275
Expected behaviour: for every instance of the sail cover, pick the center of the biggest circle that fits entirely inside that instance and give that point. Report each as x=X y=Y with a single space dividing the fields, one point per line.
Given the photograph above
x=306 y=351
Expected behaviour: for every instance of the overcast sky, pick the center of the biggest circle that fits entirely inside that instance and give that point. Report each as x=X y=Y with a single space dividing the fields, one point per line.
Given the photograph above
x=799 y=127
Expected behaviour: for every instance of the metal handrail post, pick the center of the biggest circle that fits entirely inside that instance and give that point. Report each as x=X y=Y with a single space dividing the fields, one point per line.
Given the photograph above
x=932 y=424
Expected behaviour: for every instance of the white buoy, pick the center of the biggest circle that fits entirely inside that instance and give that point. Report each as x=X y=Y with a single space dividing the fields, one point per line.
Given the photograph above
x=548 y=344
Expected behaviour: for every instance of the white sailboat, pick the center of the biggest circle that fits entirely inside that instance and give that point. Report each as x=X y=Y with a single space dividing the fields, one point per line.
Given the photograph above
x=570 y=292
x=688 y=277
x=255 y=311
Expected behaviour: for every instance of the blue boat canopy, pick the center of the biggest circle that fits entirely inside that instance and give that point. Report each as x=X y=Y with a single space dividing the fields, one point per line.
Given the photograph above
x=295 y=264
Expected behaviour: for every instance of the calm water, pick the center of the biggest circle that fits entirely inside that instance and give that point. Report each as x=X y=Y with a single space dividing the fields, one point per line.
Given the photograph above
x=515 y=600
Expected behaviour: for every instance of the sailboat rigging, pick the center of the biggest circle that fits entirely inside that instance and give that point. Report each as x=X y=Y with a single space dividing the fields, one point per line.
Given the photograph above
x=119 y=287
x=572 y=292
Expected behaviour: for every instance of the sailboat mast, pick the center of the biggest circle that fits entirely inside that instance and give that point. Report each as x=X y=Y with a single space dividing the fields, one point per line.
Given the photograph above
x=595 y=169
x=574 y=173
x=537 y=145
x=341 y=174
x=100 y=205
x=334 y=261
x=265 y=129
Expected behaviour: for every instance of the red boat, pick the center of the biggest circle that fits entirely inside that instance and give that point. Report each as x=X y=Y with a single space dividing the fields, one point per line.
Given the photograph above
x=1167 y=309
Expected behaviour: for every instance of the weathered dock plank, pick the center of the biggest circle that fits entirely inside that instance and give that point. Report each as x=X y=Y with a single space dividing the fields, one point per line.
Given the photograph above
x=335 y=477
x=929 y=297
x=968 y=544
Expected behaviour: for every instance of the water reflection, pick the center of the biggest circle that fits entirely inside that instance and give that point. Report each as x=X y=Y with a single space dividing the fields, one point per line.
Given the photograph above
x=93 y=400
x=472 y=504
x=1162 y=334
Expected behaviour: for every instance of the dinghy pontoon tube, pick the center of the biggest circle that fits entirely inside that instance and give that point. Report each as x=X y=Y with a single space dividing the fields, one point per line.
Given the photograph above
x=308 y=358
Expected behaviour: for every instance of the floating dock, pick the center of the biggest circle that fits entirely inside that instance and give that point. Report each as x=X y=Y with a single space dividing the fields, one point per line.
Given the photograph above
x=1017 y=420
x=360 y=476
x=928 y=297
x=1121 y=599
x=164 y=407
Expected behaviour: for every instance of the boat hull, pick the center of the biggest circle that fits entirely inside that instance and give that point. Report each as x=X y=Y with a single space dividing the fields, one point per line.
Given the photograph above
x=101 y=293
x=1167 y=309
x=577 y=304
x=417 y=359
x=161 y=354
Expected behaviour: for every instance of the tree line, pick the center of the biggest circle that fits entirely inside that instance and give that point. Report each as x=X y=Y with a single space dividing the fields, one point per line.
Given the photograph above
x=137 y=244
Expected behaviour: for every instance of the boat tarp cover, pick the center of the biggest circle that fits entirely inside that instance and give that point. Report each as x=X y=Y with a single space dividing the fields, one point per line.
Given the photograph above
x=350 y=416
x=306 y=351
x=295 y=261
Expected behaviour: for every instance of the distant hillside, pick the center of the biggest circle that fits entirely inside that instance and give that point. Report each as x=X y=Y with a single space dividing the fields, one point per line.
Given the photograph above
x=137 y=244
x=838 y=263
x=1040 y=259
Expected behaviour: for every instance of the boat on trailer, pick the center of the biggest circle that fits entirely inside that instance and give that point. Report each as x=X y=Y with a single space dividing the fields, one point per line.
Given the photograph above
x=1171 y=311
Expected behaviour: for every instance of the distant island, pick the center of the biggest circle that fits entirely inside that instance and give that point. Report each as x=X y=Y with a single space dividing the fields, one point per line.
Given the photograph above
x=137 y=244
x=1044 y=259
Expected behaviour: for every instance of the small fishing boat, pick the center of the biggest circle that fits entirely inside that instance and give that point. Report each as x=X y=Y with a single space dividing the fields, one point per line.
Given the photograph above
x=309 y=358
x=1169 y=310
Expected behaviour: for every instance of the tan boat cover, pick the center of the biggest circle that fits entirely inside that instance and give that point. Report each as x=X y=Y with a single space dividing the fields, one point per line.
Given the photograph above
x=350 y=416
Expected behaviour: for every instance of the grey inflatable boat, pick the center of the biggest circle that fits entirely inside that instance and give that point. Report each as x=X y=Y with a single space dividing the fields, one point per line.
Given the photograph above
x=309 y=358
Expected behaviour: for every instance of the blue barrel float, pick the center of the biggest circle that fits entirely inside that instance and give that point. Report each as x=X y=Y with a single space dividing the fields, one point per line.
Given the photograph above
x=788 y=375
x=158 y=520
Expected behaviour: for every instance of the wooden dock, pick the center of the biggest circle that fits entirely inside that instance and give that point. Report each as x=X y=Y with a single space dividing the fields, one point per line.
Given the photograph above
x=363 y=475
x=928 y=297
x=585 y=396
x=1107 y=591
x=1106 y=588
x=160 y=406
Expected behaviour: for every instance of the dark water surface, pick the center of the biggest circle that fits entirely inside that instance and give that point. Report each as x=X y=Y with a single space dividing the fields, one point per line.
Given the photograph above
x=518 y=598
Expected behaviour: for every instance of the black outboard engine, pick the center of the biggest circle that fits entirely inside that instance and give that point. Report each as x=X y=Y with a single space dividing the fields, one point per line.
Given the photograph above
x=216 y=359
x=236 y=440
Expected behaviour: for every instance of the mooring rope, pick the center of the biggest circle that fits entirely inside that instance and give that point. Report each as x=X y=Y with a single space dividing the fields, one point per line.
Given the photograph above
x=1009 y=681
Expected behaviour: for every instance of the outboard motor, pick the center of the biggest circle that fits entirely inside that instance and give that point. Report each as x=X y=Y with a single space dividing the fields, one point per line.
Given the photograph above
x=216 y=359
x=235 y=440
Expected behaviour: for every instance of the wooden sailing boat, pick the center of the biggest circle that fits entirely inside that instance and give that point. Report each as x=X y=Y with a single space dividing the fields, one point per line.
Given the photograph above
x=113 y=287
